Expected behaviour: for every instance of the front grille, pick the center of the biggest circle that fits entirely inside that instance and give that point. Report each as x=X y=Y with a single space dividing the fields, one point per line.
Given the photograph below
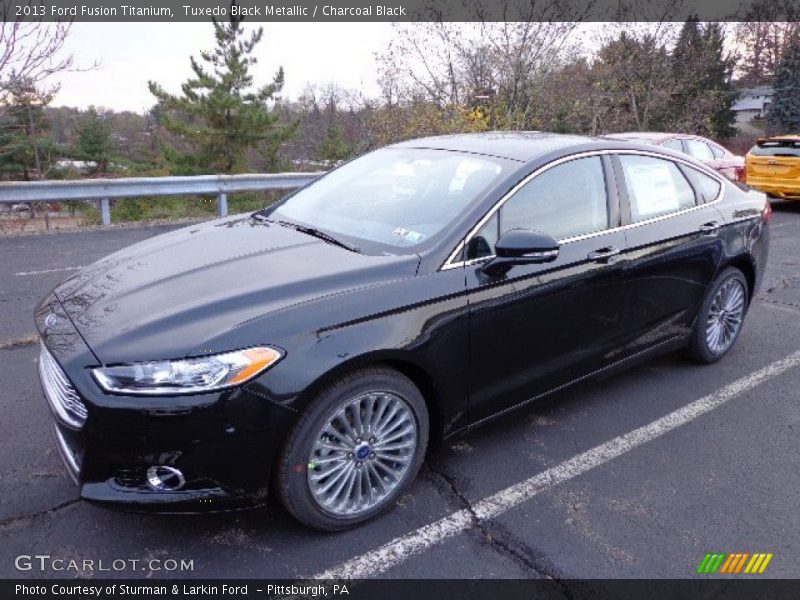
x=62 y=397
x=71 y=457
x=130 y=476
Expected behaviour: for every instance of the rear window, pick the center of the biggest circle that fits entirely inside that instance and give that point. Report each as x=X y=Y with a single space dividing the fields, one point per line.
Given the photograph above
x=777 y=148
x=699 y=150
x=707 y=188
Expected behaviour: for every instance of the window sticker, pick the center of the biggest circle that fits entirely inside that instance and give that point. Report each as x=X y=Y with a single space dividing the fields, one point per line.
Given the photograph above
x=653 y=188
x=409 y=235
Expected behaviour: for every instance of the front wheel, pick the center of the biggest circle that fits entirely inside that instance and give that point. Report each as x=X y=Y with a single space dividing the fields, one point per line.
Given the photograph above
x=721 y=317
x=354 y=451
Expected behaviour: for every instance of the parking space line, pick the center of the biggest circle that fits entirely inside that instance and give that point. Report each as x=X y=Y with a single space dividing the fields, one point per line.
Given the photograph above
x=58 y=270
x=788 y=308
x=397 y=551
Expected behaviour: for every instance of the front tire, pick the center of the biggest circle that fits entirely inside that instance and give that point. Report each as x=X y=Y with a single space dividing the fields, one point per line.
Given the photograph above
x=354 y=451
x=721 y=317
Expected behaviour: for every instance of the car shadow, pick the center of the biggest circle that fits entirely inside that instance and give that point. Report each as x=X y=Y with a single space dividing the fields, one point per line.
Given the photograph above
x=785 y=206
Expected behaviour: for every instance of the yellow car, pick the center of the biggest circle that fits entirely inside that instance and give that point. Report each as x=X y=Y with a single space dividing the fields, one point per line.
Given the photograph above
x=773 y=166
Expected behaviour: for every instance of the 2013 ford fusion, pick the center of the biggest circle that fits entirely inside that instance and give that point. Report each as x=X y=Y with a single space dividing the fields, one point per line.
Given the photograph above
x=314 y=348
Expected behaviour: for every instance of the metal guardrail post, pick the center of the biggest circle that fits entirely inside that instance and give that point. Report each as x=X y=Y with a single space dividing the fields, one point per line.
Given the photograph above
x=222 y=205
x=105 y=211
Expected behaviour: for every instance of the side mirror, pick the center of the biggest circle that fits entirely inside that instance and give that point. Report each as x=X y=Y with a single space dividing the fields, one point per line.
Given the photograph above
x=521 y=247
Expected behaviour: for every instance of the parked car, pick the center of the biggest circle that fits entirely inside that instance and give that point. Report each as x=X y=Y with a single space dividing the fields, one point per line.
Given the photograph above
x=715 y=156
x=316 y=346
x=773 y=166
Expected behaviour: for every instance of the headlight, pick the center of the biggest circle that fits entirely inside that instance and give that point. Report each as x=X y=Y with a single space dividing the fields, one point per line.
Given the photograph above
x=202 y=374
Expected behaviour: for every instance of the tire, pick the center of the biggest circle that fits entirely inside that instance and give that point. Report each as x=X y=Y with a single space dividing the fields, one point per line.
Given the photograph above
x=726 y=301
x=321 y=453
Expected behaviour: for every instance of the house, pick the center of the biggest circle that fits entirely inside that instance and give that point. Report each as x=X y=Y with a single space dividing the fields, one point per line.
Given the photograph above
x=751 y=106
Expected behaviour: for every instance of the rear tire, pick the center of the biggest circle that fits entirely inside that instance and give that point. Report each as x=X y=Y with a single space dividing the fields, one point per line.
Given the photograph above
x=721 y=317
x=354 y=451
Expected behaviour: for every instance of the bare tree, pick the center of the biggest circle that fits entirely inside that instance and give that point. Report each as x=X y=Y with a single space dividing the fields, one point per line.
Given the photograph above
x=762 y=40
x=31 y=50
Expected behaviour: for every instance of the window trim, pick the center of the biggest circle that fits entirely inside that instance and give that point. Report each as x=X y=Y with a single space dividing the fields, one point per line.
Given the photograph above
x=452 y=262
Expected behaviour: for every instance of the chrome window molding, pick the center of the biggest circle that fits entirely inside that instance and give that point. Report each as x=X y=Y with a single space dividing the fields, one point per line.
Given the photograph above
x=452 y=263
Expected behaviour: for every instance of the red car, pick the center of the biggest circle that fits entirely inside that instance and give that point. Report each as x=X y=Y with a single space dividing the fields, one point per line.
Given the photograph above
x=703 y=149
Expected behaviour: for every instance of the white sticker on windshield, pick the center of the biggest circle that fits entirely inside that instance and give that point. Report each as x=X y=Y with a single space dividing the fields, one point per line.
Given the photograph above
x=409 y=235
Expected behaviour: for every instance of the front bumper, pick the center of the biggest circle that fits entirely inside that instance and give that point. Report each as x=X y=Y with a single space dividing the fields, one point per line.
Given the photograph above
x=223 y=443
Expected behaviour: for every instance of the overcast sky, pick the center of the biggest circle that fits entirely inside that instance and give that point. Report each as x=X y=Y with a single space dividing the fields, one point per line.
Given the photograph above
x=131 y=54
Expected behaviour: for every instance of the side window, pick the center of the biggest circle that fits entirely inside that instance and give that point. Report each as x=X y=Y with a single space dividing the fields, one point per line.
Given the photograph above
x=482 y=243
x=655 y=187
x=564 y=201
x=716 y=151
x=699 y=150
x=673 y=144
x=707 y=188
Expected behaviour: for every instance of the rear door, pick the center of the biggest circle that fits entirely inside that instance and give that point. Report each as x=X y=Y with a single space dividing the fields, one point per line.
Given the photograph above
x=542 y=325
x=673 y=245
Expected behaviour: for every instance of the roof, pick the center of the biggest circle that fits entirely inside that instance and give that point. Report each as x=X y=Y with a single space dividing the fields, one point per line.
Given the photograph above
x=749 y=104
x=650 y=137
x=761 y=90
x=516 y=145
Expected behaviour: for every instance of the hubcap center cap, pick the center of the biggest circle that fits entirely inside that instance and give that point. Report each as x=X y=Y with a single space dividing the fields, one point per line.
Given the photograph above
x=362 y=451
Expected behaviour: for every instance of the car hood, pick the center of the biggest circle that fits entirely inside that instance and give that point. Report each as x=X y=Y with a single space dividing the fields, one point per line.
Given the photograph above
x=164 y=297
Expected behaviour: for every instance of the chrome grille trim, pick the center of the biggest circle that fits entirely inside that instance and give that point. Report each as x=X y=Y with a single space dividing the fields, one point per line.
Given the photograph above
x=69 y=457
x=63 y=398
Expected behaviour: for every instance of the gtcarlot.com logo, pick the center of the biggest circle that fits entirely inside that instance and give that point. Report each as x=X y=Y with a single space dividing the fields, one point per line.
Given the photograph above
x=46 y=562
x=734 y=564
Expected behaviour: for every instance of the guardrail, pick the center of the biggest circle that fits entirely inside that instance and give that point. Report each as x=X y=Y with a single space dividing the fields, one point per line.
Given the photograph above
x=104 y=190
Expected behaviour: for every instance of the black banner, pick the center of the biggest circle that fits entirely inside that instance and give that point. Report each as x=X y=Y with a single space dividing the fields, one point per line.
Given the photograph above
x=399 y=10
x=406 y=589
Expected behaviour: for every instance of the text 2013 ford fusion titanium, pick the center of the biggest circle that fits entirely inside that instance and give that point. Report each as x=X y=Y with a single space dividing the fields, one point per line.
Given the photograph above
x=314 y=348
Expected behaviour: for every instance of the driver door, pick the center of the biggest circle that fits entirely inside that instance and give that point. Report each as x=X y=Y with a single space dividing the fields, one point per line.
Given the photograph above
x=540 y=326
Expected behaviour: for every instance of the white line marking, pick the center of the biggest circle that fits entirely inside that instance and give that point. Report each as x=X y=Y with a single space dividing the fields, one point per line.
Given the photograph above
x=21 y=273
x=784 y=308
x=415 y=542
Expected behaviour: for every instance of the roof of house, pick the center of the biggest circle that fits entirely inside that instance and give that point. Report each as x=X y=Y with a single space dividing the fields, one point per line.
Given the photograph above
x=761 y=90
x=748 y=104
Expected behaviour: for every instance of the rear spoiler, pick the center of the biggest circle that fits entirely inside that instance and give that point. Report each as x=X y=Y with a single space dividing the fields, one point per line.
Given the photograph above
x=787 y=141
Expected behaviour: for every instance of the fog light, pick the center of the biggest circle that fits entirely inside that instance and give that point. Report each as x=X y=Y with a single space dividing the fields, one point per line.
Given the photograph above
x=162 y=478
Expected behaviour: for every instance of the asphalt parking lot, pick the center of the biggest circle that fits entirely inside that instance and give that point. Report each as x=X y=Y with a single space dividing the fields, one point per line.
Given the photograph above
x=526 y=497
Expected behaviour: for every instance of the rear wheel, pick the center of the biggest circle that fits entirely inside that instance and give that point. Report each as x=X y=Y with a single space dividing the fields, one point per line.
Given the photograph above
x=354 y=451
x=721 y=317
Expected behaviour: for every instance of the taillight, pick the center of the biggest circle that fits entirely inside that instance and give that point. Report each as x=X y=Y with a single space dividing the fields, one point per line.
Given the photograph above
x=739 y=174
x=766 y=214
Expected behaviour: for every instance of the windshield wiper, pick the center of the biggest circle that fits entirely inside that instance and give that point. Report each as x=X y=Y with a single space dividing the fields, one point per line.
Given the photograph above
x=312 y=231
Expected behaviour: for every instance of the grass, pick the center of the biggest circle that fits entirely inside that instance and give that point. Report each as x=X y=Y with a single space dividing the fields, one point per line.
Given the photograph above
x=131 y=210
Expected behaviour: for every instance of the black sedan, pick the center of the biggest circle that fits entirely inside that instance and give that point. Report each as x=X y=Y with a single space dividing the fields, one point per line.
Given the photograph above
x=314 y=348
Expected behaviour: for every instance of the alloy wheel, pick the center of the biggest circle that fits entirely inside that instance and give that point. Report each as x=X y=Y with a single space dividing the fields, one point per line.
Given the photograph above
x=725 y=316
x=362 y=453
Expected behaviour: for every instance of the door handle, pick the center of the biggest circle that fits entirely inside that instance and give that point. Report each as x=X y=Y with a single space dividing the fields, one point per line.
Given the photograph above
x=603 y=254
x=709 y=228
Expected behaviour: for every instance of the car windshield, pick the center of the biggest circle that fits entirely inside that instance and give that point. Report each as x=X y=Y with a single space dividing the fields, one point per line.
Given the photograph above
x=777 y=148
x=399 y=197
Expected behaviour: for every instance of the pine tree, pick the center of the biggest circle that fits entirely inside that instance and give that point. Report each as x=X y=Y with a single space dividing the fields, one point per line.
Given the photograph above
x=702 y=94
x=94 y=140
x=219 y=115
x=784 y=113
x=25 y=144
